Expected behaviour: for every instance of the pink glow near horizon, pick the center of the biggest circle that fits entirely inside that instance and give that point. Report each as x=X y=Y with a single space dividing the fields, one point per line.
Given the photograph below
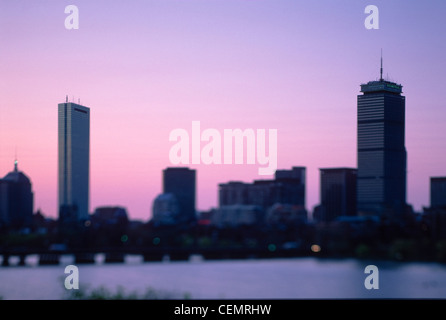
x=149 y=68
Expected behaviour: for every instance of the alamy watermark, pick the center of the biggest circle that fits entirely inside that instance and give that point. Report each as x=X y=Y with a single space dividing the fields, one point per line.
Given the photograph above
x=226 y=148
x=372 y=20
x=72 y=20
x=372 y=280
x=72 y=279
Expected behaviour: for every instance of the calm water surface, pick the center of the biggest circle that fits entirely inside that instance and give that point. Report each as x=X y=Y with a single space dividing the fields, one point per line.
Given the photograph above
x=291 y=278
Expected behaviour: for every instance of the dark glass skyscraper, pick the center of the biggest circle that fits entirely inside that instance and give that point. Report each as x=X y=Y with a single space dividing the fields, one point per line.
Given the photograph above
x=438 y=192
x=74 y=161
x=181 y=182
x=338 y=192
x=381 y=184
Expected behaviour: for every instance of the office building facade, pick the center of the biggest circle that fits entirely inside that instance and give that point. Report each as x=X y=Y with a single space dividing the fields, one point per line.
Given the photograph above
x=287 y=187
x=337 y=192
x=381 y=152
x=73 y=161
x=438 y=192
x=181 y=182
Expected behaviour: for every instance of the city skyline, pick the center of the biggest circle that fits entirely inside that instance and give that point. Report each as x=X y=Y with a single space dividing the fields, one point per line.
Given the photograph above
x=149 y=68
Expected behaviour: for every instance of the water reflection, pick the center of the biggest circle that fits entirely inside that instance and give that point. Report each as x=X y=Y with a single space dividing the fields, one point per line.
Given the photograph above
x=293 y=278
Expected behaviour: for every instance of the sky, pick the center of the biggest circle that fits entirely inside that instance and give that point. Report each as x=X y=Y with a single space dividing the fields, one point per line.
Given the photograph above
x=145 y=68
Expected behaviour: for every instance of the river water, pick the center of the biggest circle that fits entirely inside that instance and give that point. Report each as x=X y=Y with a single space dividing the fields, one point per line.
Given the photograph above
x=288 y=278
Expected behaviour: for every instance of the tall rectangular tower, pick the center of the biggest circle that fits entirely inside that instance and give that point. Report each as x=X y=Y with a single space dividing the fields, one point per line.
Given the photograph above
x=73 y=161
x=437 y=192
x=381 y=180
x=293 y=185
x=337 y=192
x=181 y=182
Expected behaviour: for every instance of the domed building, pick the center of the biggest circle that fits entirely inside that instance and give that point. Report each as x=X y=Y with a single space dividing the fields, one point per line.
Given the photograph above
x=16 y=200
x=165 y=209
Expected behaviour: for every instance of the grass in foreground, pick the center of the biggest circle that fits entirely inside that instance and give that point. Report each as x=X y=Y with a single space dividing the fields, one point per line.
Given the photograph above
x=104 y=293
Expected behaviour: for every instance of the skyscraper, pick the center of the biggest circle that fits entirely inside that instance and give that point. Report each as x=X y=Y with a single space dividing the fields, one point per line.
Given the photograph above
x=73 y=161
x=381 y=181
x=338 y=192
x=293 y=185
x=438 y=192
x=181 y=182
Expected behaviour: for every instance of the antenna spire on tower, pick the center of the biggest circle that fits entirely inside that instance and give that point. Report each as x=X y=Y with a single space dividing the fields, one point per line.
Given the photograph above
x=15 y=160
x=381 y=71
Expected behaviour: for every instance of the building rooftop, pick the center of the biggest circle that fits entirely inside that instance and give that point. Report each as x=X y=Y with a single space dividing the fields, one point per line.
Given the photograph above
x=17 y=176
x=338 y=169
x=438 y=179
x=381 y=85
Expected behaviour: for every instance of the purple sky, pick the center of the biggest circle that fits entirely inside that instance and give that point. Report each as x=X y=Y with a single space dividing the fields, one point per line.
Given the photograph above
x=147 y=67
